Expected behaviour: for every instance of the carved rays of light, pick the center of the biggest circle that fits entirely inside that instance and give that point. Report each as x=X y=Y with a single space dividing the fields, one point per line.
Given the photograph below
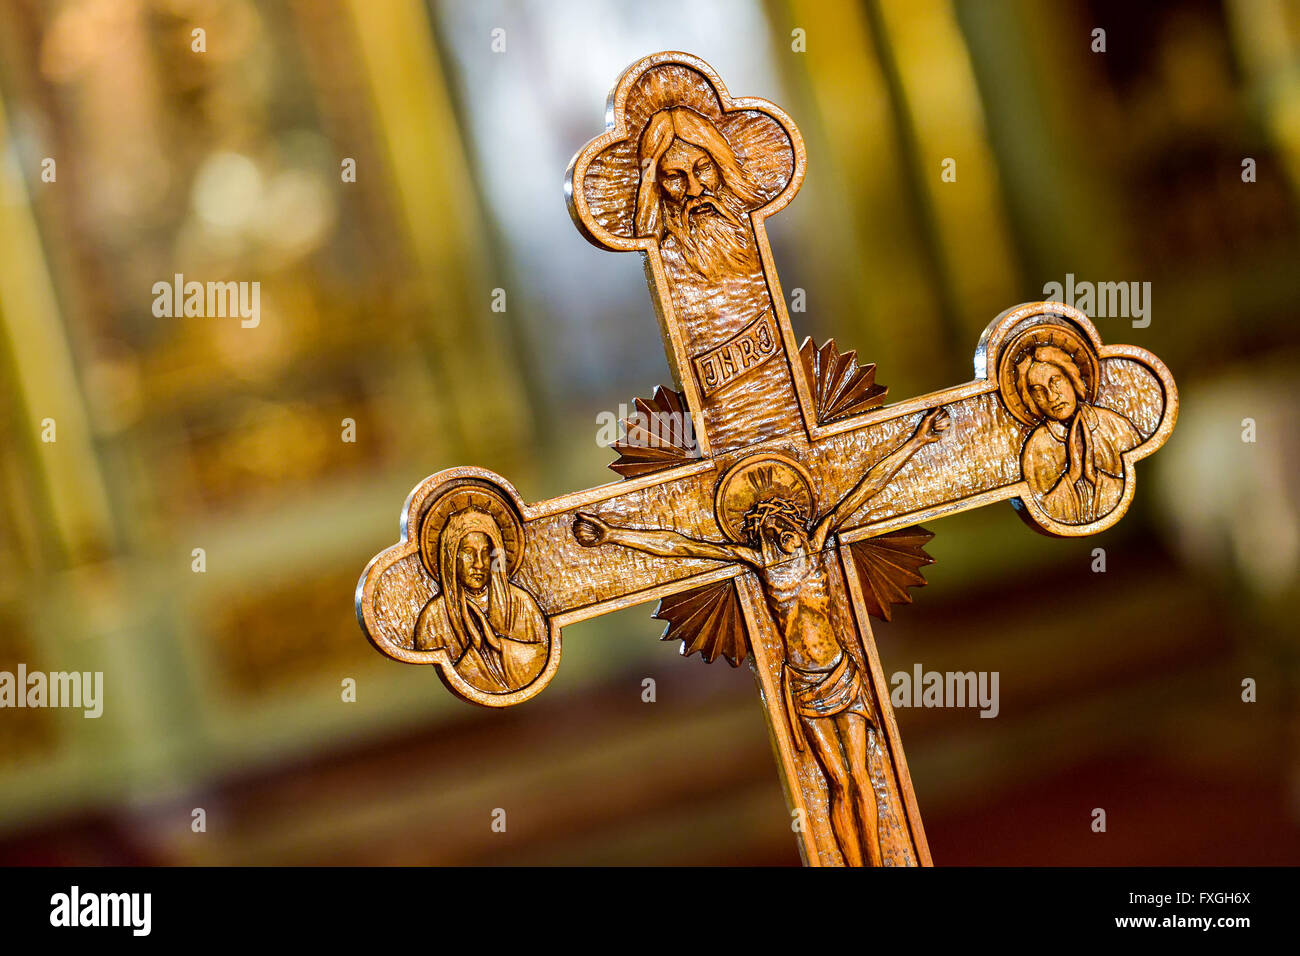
x=662 y=89
x=841 y=387
x=707 y=620
x=776 y=483
x=659 y=436
x=888 y=565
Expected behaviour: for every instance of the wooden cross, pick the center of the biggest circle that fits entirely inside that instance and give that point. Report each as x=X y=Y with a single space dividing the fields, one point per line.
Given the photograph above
x=771 y=502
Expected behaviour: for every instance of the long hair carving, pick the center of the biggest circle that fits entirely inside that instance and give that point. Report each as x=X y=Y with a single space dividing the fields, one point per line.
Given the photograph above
x=683 y=123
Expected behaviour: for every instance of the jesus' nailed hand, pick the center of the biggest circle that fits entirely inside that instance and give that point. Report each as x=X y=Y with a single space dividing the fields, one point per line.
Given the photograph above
x=827 y=703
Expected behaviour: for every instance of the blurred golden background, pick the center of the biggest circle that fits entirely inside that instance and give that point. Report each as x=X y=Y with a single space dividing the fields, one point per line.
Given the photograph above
x=223 y=688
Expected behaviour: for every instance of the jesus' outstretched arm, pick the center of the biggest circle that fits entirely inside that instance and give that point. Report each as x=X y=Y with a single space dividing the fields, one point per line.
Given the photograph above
x=592 y=531
x=929 y=430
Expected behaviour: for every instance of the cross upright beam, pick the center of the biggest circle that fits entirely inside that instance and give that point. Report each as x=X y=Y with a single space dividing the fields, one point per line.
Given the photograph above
x=688 y=176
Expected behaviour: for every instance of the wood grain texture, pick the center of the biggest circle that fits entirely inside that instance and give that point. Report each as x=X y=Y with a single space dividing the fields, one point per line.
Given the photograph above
x=781 y=511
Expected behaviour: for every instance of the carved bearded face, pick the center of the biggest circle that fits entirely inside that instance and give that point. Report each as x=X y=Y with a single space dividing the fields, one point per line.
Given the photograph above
x=694 y=194
x=776 y=527
x=701 y=214
x=784 y=538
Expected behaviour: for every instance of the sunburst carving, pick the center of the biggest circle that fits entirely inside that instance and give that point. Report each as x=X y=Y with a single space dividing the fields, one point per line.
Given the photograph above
x=841 y=387
x=888 y=565
x=658 y=436
x=707 y=620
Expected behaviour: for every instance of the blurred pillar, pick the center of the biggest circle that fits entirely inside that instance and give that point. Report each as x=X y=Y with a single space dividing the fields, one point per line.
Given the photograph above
x=434 y=187
x=45 y=376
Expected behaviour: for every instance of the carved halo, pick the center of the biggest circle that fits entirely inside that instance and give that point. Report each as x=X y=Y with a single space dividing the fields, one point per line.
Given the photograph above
x=759 y=478
x=460 y=498
x=1062 y=337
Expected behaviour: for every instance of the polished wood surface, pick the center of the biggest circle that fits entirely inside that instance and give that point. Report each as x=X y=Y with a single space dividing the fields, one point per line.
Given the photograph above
x=781 y=509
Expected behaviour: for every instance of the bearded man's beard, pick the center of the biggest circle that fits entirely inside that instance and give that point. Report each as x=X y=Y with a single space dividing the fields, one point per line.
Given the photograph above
x=712 y=234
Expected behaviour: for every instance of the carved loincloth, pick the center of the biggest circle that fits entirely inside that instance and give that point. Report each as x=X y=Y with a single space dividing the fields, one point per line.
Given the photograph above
x=814 y=694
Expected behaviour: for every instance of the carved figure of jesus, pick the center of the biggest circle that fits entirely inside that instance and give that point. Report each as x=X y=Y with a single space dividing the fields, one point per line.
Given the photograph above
x=828 y=706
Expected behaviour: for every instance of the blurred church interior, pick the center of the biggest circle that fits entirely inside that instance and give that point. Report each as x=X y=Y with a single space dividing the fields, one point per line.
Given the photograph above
x=1120 y=689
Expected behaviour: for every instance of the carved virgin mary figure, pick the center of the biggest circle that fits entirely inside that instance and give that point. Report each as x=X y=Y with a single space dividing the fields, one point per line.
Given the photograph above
x=493 y=631
x=1072 y=460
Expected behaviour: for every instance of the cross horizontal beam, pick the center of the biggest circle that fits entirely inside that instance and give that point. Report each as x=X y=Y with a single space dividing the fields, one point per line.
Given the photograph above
x=978 y=462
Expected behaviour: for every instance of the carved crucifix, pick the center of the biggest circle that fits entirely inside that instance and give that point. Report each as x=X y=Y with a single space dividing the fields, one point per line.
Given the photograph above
x=771 y=502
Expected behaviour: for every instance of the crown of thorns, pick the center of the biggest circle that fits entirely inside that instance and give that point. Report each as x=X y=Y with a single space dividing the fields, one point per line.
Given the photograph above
x=768 y=509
